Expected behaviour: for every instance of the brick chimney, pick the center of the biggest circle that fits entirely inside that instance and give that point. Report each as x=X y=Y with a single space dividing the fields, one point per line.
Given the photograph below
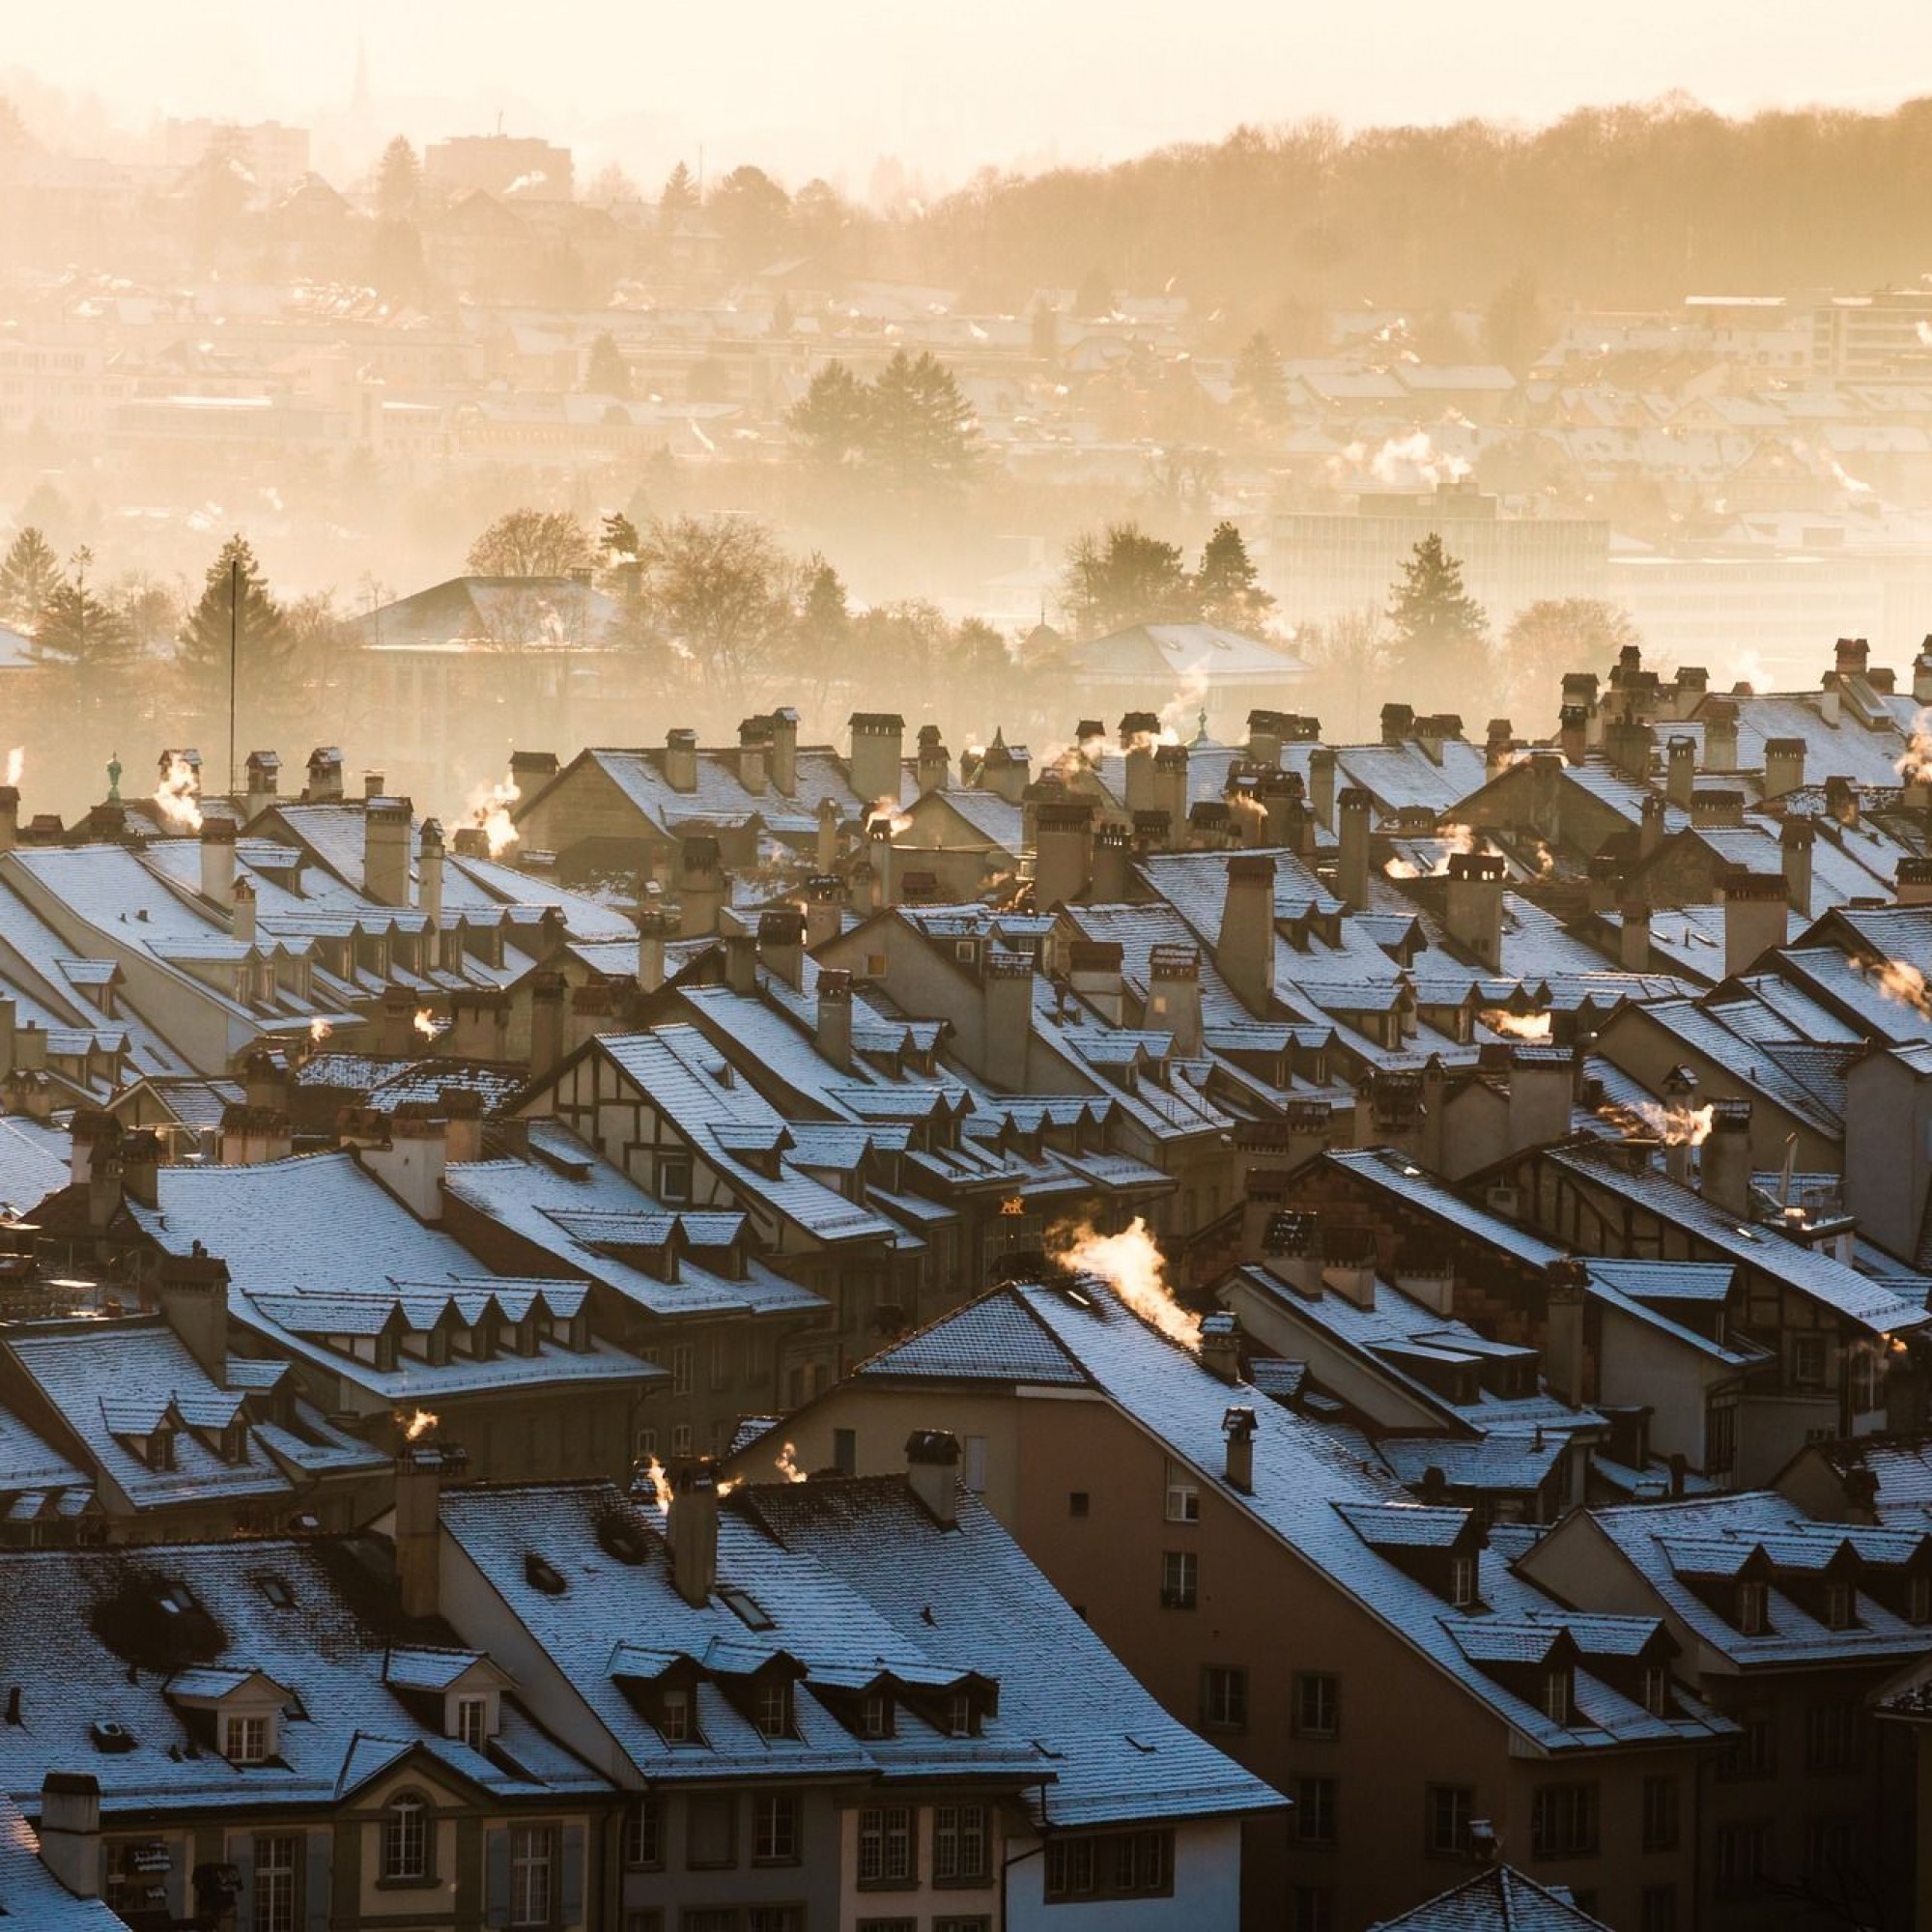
x=1265 y=737
x=741 y=961
x=704 y=886
x=1094 y=971
x=691 y=1529
x=217 y=861
x=1239 y=1426
x=783 y=727
x=878 y=752
x=1244 y=948
x=680 y=758
x=264 y=771
x=1796 y=837
x=1174 y=996
x=1851 y=656
x=385 y=850
x=934 y=765
x=933 y=1466
x=429 y=883
x=1725 y=1161
x=411 y=1164
x=1140 y=733
x=1628 y=744
x=1650 y=829
x=1634 y=940
x=1321 y=784
x=325 y=775
x=1474 y=905
x=1062 y=851
x=880 y=857
x=1170 y=787
x=824 y=910
x=1499 y=747
x=242 y=912
x=547 y=992
x=192 y=1292
x=1290 y=1248
x=141 y=1166
x=70 y=1830
x=1573 y=733
x=1720 y=734
x=782 y=943
x=1113 y=859
x=1604 y=875
x=1714 y=810
x=1680 y=769
x=1007 y=979
x=1351 y=867
x=421 y=1466
x=755 y=755
x=1221 y=1347
x=1398 y=724
x=1566 y=1300
x=1542 y=1083
x=1756 y=908
x=1783 y=767
x=834 y=1017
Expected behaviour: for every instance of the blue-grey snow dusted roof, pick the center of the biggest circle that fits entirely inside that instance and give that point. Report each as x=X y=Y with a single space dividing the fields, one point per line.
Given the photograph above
x=1500 y=1899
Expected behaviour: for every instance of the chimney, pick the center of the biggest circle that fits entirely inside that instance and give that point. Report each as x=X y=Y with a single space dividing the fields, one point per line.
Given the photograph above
x=680 y=758
x=1680 y=769
x=1717 y=810
x=428 y=881
x=1348 y=1265
x=1170 y=787
x=1113 y=857
x=10 y=1014
x=411 y=1164
x=932 y=1463
x=141 y=1166
x=1605 y=877
x=264 y=771
x=325 y=775
x=192 y=1291
x=1474 y=905
x=1140 y=733
x=1291 y=1250
x=396 y=1033
x=9 y=817
x=1499 y=747
x=934 y=766
x=546 y=1000
x=217 y=861
x=878 y=753
x=1573 y=733
x=754 y=753
x=1244 y=949
x=782 y=943
x=1221 y=1347
x=879 y=856
x=1398 y=721
x=1007 y=981
x=834 y=1017
x=465 y=1109
x=1429 y=732
x=1783 y=767
x=385 y=851
x=1914 y=888
x=783 y=723
x=1922 y=674
x=1852 y=657
x=531 y=772
x=1321 y=784
x=242 y=911
x=1174 y=996
x=1627 y=744
x=826 y=856
x=1352 y=870
x=1633 y=941
x=418 y=1534
x=1566 y=1296
x=691 y=1528
x=1720 y=734
x=373 y=785
x=1542 y=1083
x=1725 y=1161
x=1239 y=1426
x=1650 y=833
x=70 y=1830
x=1063 y=852
x=1265 y=737
x=1796 y=837
x=824 y=910
x=1756 y=905
x=1094 y=971
x=740 y=962
x=705 y=887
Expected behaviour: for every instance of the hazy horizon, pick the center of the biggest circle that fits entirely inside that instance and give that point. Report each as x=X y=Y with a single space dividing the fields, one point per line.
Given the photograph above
x=837 y=91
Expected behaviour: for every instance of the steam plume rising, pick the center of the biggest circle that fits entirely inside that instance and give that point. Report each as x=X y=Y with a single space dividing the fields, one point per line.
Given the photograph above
x=1898 y=981
x=1518 y=1026
x=425 y=1023
x=1674 y=1126
x=178 y=793
x=416 y=1426
x=1131 y=1262
x=491 y=810
x=653 y=1474
x=319 y=1030
x=16 y=764
x=786 y=1462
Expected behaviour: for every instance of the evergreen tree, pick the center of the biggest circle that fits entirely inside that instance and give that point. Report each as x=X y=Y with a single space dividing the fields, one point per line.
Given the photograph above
x=260 y=628
x=1440 y=632
x=77 y=630
x=605 y=372
x=1125 y=577
x=1258 y=380
x=679 y=196
x=1094 y=296
x=783 y=321
x=1227 y=585
x=920 y=431
x=752 y=215
x=831 y=420
x=398 y=182
x=1515 y=330
x=28 y=577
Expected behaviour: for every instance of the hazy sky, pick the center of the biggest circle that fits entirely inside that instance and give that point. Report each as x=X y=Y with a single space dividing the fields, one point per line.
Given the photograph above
x=826 y=86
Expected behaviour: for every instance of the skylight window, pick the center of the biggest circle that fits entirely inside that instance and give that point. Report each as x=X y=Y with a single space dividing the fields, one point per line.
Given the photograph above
x=747 y=1608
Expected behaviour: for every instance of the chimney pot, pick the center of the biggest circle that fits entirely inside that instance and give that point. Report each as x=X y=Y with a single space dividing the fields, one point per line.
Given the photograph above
x=933 y=1459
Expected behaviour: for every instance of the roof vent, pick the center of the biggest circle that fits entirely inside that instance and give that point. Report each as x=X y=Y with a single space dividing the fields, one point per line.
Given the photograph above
x=542 y=1576
x=108 y=1736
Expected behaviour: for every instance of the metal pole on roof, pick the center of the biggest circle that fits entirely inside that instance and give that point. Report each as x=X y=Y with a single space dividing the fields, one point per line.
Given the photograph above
x=234 y=634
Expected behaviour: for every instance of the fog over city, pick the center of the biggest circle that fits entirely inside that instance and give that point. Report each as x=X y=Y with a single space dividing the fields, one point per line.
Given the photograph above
x=965 y=970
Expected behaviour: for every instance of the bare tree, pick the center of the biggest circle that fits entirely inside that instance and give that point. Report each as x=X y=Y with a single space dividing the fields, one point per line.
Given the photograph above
x=724 y=594
x=532 y=543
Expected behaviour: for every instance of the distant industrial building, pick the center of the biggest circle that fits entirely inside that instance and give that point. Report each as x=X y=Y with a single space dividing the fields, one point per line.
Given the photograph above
x=502 y=165
x=275 y=155
x=1324 y=564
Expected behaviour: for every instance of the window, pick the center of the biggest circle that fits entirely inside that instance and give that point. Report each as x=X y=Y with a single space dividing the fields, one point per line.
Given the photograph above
x=711 y=1830
x=1807 y=1361
x=1752 y=1752
x=1753 y=1607
x=532 y=1872
x=1657 y=1909
x=973 y=1463
x=845 y=1451
x=1557 y=1695
x=472 y=1721
x=275 y=1861
x=683 y=1367
x=643 y=1835
x=774 y=1918
x=1659 y=1814
x=1070 y=1866
x=720 y=1361
x=886 y=1845
x=1141 y=1860
x=1742 y=1855
x=775 y=1829
x=674 y=1715
x=1831 y=1848
x=888 y=1925
x=246 y=1740
x=961 y=1719
x=977 y=1924
x=680 y=1438
x=161 y=1449
x=771 y=1711
x=1720 y=1437
x=875 y=1715
x=1462 y=1581
x=1224 y=1699
x=1839 y=1606
x=650 y=1919
x=1318 y=1704
x=1656 y=1689
x=1078 y=1502
x=1313 y=1908
x=1919 y=1599
x=708 y=1918
x=674 y=1177
x=1563 y=1820
x=1446 y=1812
x=1122 y=1864
x=1831 y=1737
x=1314 y=1810
x=1864 y=1381
x=1183 y=1494
x=406 y=1838
x=1179 y=1578
x=961 y=1844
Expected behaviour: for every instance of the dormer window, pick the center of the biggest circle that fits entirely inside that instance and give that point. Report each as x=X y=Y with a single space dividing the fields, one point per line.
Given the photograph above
x=246 y=1740
x=1840 y=1605
x=472 y=1721
x=1752 y=1608
x=1919 y=1599
x=160 y=1449
x=772 y=1710
x=1557 y=1697
x=437 y=1349
x=962 y=1716
x=875 y=1715
x=1462 y=1581
x=1655 y=1688
x=674 y=1716
x=235 y=1443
